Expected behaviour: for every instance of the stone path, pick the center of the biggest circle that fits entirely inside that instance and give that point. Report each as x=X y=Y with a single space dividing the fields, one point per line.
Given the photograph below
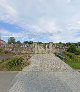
x=47 y=73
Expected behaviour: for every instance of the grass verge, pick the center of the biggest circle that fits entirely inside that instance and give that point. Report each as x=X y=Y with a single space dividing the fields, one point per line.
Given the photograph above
x=71 y=59
x=16 y=63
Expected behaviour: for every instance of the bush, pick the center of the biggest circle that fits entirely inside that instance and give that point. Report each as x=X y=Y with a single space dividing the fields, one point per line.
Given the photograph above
x=67 y=59
x=72 y=49
x=77 y=51
x=15 y=62
x=72 y=60
x=70 y=55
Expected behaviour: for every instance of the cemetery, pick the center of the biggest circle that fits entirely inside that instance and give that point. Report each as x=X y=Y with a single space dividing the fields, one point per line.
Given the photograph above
x=40 y=63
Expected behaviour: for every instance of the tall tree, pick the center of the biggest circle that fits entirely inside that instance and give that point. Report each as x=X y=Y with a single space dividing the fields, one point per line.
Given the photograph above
x=11 y=40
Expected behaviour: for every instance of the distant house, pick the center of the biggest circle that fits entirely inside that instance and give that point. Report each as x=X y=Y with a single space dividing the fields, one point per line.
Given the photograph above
x=2 y=43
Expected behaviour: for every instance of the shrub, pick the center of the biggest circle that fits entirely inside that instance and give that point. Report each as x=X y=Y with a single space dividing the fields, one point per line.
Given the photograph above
x=70 y=55
x=72 y=49
x=15 y=62
x=67 y=59
x=77 y=51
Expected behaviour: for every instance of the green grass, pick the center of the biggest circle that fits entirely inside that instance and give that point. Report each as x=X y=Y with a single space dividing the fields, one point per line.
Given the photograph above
x=16 y=63
x=74 y=65
x=72 y=60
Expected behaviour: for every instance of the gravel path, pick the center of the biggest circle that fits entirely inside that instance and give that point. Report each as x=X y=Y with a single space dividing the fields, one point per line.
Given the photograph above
x=47 y=73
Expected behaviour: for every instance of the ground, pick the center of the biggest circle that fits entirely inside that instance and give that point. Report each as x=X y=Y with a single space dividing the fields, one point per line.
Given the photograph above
x=6 y=79
x=47 y=73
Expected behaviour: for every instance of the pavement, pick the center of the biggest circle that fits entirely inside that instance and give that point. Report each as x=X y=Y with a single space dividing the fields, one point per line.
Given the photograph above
x=6 y=78
x=47 y=73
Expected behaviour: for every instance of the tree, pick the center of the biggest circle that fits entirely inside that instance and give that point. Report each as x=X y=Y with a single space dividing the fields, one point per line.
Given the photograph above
x=72 y=48
x=25 y=42
x=68 y=44
x=11 y=40
x=60 y=42
x=18 y=42
x=29 y=42
x=78 y=43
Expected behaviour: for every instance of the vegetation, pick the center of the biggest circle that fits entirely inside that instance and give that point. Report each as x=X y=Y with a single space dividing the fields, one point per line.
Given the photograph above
x=72 y=49
x=1 y=50
x=18 y=42
x=11 y=40
x=16 y=63
x=72 y=59
x=28 y=42
x=71 y=56
x=60 y=55
x=77 y=51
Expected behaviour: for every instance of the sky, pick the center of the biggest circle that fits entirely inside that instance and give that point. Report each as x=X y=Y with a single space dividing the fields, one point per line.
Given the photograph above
x=40 y=20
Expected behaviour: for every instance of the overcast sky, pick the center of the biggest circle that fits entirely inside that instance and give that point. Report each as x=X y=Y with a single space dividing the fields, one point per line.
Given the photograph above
x=40 y=20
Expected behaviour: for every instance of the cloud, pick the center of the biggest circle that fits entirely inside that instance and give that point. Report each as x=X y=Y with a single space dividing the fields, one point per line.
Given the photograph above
x=5 y=32
x=9 y=9
x=44 y=26
x=7 y=12
x=51 y=20
x=69 y=1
